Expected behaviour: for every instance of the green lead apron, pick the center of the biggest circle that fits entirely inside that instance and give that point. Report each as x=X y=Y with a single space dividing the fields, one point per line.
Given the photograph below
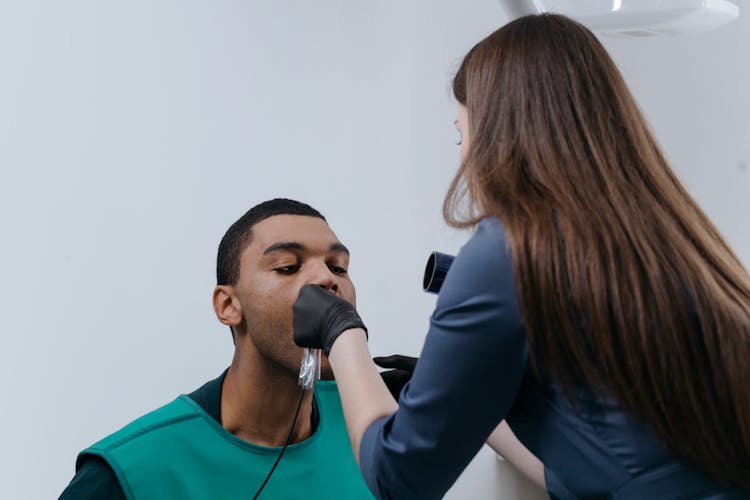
x=179 y=452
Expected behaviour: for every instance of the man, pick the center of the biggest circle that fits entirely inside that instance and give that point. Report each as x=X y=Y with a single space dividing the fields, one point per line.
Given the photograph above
x=222 y=440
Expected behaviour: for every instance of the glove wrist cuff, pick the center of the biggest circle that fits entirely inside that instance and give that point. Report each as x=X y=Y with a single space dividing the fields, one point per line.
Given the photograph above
x=342 y=319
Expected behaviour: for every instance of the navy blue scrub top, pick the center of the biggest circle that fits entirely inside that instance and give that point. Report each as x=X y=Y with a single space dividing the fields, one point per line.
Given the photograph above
x=474 y=372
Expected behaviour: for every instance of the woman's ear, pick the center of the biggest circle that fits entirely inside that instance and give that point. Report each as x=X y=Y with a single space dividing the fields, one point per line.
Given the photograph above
x=226 y=306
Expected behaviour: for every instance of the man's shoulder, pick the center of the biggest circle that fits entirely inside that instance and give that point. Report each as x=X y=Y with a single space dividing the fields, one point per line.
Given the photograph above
x=174 y=412
x=185 y=408
x=132 y=442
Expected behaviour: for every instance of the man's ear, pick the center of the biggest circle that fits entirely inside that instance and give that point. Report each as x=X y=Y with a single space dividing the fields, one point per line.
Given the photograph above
x=226 y=305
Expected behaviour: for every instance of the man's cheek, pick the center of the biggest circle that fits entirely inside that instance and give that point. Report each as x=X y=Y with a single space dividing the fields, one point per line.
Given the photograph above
x=351 y=294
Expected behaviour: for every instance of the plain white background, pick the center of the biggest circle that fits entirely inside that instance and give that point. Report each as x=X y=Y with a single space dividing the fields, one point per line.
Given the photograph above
x=132 y=134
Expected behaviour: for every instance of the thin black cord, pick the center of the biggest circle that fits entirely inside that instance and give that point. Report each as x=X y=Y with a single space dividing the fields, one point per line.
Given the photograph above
x=288 y=438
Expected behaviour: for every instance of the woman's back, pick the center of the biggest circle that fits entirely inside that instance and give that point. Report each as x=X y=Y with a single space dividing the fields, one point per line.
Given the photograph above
x=596 y=449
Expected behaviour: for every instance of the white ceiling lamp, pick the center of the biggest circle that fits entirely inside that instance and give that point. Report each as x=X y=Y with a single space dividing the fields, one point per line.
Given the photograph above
x=636 y=17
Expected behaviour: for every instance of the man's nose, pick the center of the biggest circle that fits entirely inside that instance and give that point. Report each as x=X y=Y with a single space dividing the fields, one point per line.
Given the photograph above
x=324 y=277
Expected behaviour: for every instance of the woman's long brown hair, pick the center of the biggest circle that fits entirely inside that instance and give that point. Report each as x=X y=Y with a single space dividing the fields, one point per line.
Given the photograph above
x=623 y=282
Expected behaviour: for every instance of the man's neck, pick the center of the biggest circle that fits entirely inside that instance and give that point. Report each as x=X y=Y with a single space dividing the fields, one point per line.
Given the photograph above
x=258 y=401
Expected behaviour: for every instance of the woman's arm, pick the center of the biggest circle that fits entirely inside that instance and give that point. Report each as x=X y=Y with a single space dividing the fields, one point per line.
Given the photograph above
x=507 y=445
x=364 y=396
x=371 y=400
x=470 y=369
x=472 y=364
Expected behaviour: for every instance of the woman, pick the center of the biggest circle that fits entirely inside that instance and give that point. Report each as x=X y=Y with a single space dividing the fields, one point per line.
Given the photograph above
x=596 y=309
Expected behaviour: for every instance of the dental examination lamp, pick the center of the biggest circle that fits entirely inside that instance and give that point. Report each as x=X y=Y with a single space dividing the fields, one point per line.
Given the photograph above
x=635 y=18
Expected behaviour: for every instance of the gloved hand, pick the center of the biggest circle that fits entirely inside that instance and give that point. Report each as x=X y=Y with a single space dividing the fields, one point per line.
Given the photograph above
x=402 y=370
x=319 y=317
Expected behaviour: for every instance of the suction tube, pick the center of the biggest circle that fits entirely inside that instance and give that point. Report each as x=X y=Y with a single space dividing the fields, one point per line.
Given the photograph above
x=437 y=267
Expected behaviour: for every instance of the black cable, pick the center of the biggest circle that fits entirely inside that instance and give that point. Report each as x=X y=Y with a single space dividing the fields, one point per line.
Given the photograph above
x=288 y=438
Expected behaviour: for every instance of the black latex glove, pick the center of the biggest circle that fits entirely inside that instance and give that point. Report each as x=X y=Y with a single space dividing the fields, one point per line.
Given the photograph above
x=402 y=369
x=320 y=317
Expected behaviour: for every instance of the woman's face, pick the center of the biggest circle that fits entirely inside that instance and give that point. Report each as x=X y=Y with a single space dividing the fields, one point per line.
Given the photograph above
x=462 y=125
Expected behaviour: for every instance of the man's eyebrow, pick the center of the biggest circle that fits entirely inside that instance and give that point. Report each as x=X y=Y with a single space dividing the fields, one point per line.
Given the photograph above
x=293 y=245
x=284 y=245
x=339 y=247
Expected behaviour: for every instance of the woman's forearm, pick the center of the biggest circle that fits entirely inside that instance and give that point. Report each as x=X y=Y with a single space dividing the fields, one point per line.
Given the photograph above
x=364 y=395
x=507 y=445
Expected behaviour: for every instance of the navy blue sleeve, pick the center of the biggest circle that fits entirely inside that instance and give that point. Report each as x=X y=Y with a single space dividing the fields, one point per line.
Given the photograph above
x=464 y=384
x=95 y=480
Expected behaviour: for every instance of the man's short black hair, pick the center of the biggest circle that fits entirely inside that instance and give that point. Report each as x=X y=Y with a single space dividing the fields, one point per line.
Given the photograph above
x=238 y=235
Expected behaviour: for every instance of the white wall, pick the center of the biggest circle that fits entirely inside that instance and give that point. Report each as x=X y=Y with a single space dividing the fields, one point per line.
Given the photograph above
x=133 y=133
x=695 y=91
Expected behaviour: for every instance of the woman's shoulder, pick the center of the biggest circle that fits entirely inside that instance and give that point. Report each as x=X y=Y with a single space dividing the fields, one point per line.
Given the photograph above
x=491 y=225
x=489 y=241
x=483 y=264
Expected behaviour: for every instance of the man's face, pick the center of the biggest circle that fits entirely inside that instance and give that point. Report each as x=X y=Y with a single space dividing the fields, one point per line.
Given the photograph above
x=287 y=252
